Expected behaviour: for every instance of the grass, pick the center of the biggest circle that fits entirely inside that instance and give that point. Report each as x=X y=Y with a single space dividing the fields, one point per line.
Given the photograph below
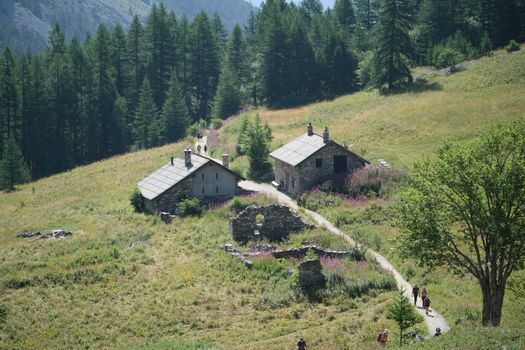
x=126 y=280
x=403 y=128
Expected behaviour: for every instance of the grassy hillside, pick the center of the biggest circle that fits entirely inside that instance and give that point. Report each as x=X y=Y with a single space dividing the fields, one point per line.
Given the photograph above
x=405 y=127
x=126 y=280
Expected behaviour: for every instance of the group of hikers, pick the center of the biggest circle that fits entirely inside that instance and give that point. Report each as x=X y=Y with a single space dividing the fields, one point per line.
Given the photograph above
x=382 y=338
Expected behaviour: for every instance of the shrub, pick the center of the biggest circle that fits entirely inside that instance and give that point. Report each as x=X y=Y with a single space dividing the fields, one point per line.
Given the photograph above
x=137 y=201
x=375 y=181
x=316 y=199
x=216 y=123
x=190 y=207
x=512 y=46
x=446 y=57
x=3 y=314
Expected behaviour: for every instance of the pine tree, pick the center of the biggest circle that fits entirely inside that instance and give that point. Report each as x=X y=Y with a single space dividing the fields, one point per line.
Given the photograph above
x=237 y=55
x=392 y=56
x=13 y=170
x=221 y=34
x=175 y=115
x=367 y=13
x=204 y=65
x=119 y=60
x=145 y=123
x=243 y=137
x=257 y=149
x=403 y=313
x=344 y=15
x=311 y=9
x=228 y=98
x=8 y=98
x=136 y=61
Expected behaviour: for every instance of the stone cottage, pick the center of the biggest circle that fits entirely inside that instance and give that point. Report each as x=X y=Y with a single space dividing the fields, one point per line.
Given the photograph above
x=194 y=176
x=311 y=159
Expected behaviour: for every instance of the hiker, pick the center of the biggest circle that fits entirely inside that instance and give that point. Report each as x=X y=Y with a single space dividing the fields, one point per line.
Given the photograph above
x=426 y=305
x=382 y=338
x=415 y=293
x=415 y=338
x=424 y=294
x=301 y=344
x=438 y=332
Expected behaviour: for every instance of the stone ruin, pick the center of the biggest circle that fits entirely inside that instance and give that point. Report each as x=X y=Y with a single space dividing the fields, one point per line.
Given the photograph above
x=55 y=234
x=277 y=224
x=311 y=276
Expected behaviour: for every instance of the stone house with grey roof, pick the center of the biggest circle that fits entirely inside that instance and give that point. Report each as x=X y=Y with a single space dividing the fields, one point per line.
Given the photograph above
x=312 y=159
x=195 y=176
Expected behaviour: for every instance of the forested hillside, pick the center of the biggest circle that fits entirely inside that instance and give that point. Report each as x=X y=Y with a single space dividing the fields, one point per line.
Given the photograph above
x=81 y=101
x=25 y=24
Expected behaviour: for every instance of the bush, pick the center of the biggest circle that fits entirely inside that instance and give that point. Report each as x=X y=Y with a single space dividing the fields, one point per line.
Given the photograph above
x=137 y=201
x=3 y=314
x=216 y=123
x=190 y=207
x=446 y=57
x=317 y=199
x=512 y=46
x=375 y=181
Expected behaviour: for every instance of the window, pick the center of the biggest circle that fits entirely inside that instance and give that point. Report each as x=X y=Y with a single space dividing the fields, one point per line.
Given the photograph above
x=293 y=183
x=202 y=176
x=318 y=163
x=203 y=190
x=217 y=189
x=216 y=176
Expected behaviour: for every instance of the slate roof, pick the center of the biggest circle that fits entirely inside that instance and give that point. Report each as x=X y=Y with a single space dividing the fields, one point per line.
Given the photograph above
x=303 y=147
x=169 y=175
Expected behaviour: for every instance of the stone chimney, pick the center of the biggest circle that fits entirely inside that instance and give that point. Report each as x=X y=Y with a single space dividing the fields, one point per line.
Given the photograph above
x=326 y=135
x=187 y=157
x=172 y=158
x=310 y=129
x=226 y=161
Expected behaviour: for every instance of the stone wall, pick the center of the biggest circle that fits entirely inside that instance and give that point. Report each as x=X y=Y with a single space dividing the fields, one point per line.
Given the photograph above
x=311 y=277
x=300 y=253
x=167 y=202
x=279 y=222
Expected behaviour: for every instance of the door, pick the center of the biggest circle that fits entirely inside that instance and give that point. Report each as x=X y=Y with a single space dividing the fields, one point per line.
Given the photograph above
x=340 y=164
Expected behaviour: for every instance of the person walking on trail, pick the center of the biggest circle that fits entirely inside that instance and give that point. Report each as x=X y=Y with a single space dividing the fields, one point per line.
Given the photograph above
x=426 y=305
x=301 y=344
x=382 y=338
x=424 y=294
x=415 y=293
x=438 y=332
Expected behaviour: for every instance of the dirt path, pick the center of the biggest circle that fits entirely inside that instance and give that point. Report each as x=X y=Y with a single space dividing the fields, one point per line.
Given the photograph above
x=433 y=322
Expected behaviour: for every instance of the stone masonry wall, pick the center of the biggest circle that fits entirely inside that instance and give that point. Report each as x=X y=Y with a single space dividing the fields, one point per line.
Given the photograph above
x=167 y=202
x=279 y=222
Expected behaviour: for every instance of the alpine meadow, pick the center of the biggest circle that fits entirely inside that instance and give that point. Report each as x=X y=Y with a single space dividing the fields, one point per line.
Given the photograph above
x=262 y=174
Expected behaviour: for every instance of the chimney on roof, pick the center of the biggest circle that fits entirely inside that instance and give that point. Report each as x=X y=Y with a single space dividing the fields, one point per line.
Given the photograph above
x=172 y=158
x=187 y=157
x=310 y=129
x=326 y=135
x=226 y=161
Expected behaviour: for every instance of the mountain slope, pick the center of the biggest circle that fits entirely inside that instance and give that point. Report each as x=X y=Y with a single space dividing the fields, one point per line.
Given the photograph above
x=125 y=280
x=25 y=24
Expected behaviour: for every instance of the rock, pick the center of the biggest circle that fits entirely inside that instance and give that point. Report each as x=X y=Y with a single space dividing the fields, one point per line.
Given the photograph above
x=56 y=234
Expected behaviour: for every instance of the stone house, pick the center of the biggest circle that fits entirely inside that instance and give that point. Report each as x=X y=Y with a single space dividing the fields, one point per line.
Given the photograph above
x=195 y=176
x=312 y=159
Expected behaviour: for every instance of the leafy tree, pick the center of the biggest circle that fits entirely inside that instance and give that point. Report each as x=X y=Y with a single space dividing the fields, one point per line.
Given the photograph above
x=467 y=209
x=403 y=313
x=13 y=170
x=175 y=115
x=258 y=149
x=392 y=57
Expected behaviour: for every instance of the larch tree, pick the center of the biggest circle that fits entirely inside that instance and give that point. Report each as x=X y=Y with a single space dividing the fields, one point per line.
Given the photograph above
x=467 y=209
x=13 y=170
x=175 y=116
x=403 y=314
x=145 y=124
x=392 y=56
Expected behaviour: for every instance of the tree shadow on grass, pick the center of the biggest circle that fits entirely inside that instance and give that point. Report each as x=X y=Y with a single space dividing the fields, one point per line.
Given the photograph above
x=418 y=86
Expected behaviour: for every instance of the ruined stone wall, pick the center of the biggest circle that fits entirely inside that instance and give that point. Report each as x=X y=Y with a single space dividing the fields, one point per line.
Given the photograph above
x=300 y=253
x=279 y=222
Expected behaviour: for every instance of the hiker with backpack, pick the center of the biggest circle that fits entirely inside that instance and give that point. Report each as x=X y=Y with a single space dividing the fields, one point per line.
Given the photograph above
x=426 y=305
x=301 y=344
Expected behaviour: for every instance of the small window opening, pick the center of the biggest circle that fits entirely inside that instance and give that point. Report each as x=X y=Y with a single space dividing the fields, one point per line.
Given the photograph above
x=216 y=176
x=217 y=189
x=203 y=177
x=319 y=163
x=203 y=190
